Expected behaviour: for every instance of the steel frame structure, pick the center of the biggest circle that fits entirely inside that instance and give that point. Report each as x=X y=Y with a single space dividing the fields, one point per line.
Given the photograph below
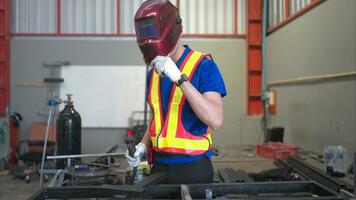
x=315 y=184
x=261 y=190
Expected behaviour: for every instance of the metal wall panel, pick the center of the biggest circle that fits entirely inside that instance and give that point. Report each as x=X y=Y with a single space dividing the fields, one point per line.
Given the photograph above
x=88 y=16
x=277 y=10
x=100 y=16
x=199 y=16
x=33 y=16
x=212 y=16
x=241 y=16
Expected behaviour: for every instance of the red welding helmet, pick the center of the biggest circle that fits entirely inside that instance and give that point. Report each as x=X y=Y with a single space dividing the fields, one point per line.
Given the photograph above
x=158 y=28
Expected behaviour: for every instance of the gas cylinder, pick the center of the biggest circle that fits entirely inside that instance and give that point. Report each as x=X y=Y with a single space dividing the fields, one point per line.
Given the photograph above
x=69 y=132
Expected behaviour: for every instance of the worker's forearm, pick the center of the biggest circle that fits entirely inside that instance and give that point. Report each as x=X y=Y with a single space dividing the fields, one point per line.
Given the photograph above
x=208 y=111
x=146 y=137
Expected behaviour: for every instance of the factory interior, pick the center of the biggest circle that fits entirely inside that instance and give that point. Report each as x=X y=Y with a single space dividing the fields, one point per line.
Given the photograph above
x=102 y=99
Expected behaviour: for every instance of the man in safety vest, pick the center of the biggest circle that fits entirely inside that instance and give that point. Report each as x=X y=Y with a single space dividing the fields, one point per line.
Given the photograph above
x=185 y=90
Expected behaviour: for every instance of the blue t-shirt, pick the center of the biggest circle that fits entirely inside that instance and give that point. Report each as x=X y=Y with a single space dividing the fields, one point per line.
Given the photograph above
x=206 y=78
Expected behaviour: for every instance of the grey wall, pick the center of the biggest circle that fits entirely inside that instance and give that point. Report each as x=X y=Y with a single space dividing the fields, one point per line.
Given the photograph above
x=27 y=55
x=323 y=41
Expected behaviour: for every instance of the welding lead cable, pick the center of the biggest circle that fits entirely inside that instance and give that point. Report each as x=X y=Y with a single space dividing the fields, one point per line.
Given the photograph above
x=45 y=145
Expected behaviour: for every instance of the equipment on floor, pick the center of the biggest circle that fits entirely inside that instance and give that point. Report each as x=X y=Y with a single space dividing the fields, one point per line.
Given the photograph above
x=30 y=151
x=14 y=129
x=69 y=125
x=86 y=173
x=274 y=134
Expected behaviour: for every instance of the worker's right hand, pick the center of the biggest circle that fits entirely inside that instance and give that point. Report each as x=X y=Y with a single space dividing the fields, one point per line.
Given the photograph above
x=136 y=159
x=164 y=65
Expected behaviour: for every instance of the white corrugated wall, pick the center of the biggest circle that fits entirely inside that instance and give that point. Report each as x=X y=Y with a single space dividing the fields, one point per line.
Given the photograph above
x=212 y=16
x=100 y=16
x=34 y=16
x=277 y=9
x=88 y=16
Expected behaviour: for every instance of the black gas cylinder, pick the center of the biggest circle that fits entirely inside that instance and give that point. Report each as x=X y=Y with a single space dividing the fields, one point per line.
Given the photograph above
x=69 y=132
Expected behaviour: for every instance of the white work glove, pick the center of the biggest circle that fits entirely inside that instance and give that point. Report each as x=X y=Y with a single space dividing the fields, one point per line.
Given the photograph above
x=136 y=159
x=164 y=65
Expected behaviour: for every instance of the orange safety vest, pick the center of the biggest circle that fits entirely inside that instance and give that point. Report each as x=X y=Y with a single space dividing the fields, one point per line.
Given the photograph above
x=170 y=136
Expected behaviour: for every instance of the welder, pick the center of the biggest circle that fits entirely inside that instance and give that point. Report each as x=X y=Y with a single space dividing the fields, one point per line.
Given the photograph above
x=185 y=90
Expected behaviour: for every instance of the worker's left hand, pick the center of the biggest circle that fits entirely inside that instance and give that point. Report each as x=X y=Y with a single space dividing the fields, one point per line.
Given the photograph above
x=164 y=65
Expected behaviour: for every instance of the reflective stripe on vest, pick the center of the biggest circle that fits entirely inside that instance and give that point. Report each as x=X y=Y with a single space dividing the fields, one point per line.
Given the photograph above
x=170 y=135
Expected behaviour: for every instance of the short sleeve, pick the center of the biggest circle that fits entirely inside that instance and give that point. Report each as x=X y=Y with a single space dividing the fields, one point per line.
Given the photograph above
x=210 y=79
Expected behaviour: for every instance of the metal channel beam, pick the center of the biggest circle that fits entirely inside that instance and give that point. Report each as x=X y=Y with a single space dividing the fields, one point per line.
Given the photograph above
x=287 y=198
x=312 y=173
x=222 y=189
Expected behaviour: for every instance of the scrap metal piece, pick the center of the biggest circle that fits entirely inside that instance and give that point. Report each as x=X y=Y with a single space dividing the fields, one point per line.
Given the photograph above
x=217 y=178
x=57 y=180
x=141 y=186
x=228 y=175
x=243 y=176
x=184 y=192
x=225 y=176
x=208 y=194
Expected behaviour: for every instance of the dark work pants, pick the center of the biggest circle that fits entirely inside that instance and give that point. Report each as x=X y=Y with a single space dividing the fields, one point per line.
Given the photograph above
x=199 y=171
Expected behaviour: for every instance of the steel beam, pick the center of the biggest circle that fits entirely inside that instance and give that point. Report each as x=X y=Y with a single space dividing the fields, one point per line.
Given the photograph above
x=262 y=190
x=312 y=173
x=221 y=189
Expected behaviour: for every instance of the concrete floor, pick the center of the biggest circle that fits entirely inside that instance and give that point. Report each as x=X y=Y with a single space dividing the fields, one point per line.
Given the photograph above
x=13 y=189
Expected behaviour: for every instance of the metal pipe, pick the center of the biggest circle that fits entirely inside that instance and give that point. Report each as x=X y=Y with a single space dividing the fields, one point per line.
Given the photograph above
x=264 y=67
x=45 y=145
x=84 y=156
x=264 y=48
x=354 y=171
x=311 y=78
